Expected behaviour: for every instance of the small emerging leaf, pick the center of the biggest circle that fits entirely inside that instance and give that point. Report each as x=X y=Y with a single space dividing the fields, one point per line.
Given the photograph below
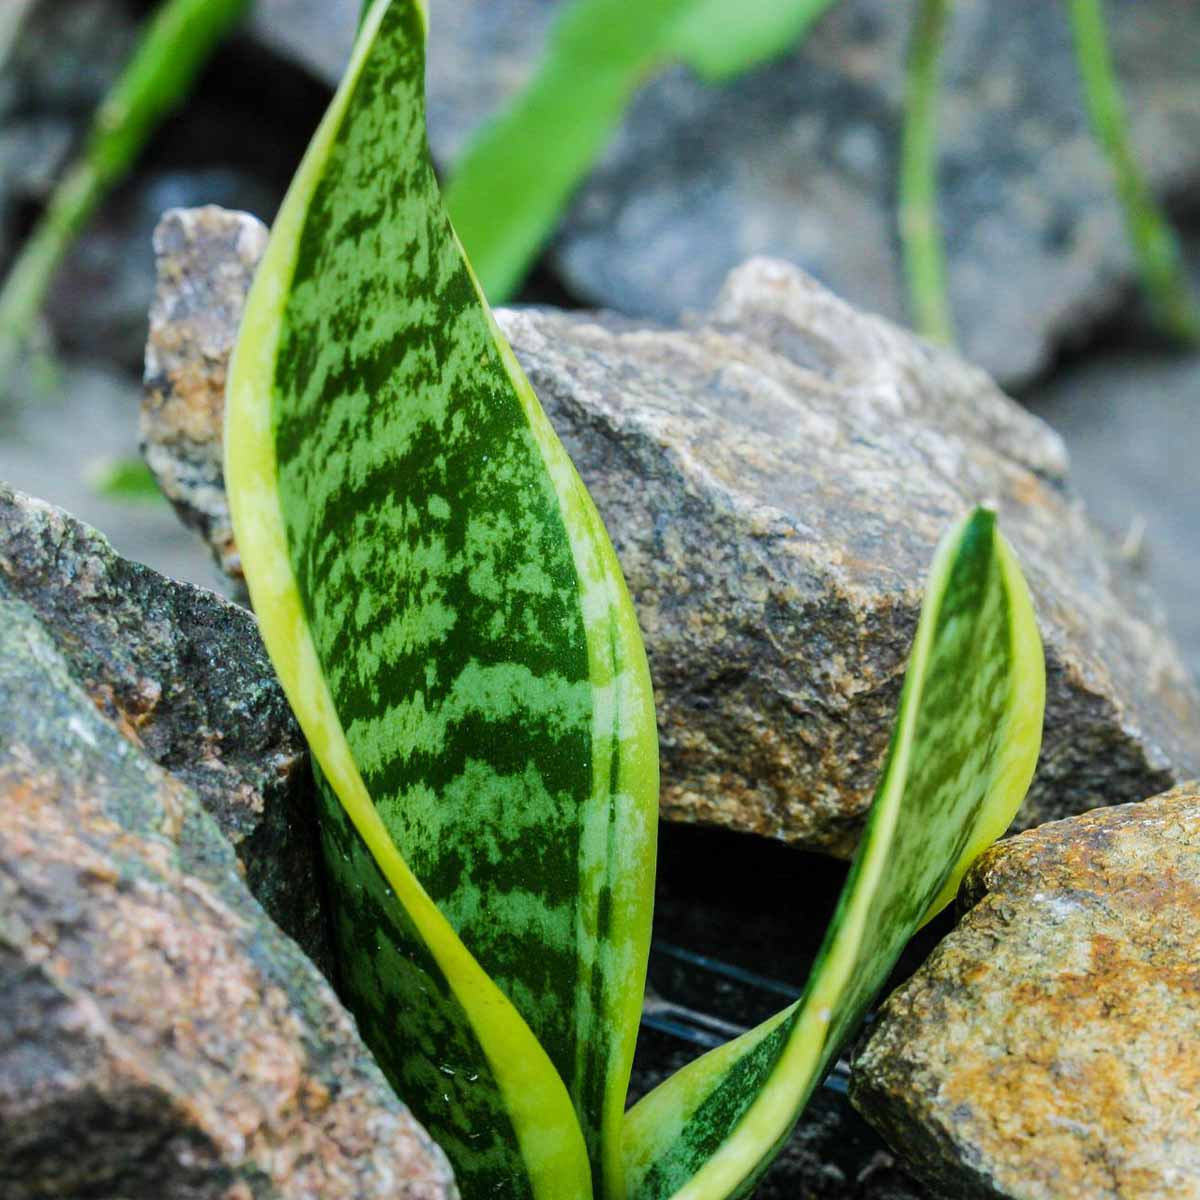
x=447 y=616
x=962 y=754
x=124 y=479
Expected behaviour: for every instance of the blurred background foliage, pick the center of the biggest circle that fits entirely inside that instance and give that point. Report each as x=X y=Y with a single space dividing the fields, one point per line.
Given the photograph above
x=1009 y=173
x=512 y=182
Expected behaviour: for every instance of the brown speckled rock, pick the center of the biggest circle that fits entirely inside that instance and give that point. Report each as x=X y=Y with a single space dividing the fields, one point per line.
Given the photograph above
x=1047 y=1049
x=775 y=477
x=184 y=676
x=159 y=1037
x=206 y=259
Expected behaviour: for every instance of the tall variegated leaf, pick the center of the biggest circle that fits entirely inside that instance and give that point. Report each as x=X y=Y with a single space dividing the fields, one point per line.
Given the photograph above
x=449 y=621
x=520 y=170
x=962 y=754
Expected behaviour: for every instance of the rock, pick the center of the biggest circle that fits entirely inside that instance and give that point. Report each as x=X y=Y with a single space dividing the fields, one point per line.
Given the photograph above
x=775 y=479
x=797 y=159
x=184 y=675
x=206 y=259
x=158 y=1035
x=1047 y=1049
x=1131 y=421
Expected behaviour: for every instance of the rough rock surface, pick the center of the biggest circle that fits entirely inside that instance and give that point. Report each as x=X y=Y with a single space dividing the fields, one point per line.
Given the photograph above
x=775 y=479
x=184 y=675
x=1046 y=1051
x=798 y=158
x=158 y=1035
x=206 y=259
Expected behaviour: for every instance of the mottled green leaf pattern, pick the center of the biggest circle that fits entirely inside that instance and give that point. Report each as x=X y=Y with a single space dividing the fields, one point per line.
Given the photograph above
x=465 y=614
x=962 y=754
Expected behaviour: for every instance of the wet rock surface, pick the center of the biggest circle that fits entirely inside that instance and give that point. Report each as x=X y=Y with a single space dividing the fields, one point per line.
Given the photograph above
x=775 y=478
x=158 y=1035
x=1047 y=1049
x=798 y=159
x=184 y=676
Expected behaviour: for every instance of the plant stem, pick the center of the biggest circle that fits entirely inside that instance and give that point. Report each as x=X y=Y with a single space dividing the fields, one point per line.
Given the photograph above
x=920 y=237
x=1154 y=242
x=178 y=42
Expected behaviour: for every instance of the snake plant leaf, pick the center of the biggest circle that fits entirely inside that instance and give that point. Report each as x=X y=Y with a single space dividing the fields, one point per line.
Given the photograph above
x=447 y=616
x=962 y=754
x=519 y=171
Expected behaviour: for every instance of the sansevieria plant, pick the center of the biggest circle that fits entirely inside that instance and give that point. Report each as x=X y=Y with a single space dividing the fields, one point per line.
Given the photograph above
x=446 y=613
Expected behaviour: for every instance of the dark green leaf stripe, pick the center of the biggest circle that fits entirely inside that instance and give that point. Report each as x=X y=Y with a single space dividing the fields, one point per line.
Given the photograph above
x=962 y=754
x=446 y=612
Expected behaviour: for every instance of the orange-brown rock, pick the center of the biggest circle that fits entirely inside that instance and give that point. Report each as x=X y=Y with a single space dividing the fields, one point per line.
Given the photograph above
x=1047 y=1049
x=183 y=674
x=159 y=1037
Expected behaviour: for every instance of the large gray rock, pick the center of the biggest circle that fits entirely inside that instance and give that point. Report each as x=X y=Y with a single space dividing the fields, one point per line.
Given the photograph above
x=183 y=674
x=158 y=1035
x=1046 y=1051
x=798 y=158
x=775 y=478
